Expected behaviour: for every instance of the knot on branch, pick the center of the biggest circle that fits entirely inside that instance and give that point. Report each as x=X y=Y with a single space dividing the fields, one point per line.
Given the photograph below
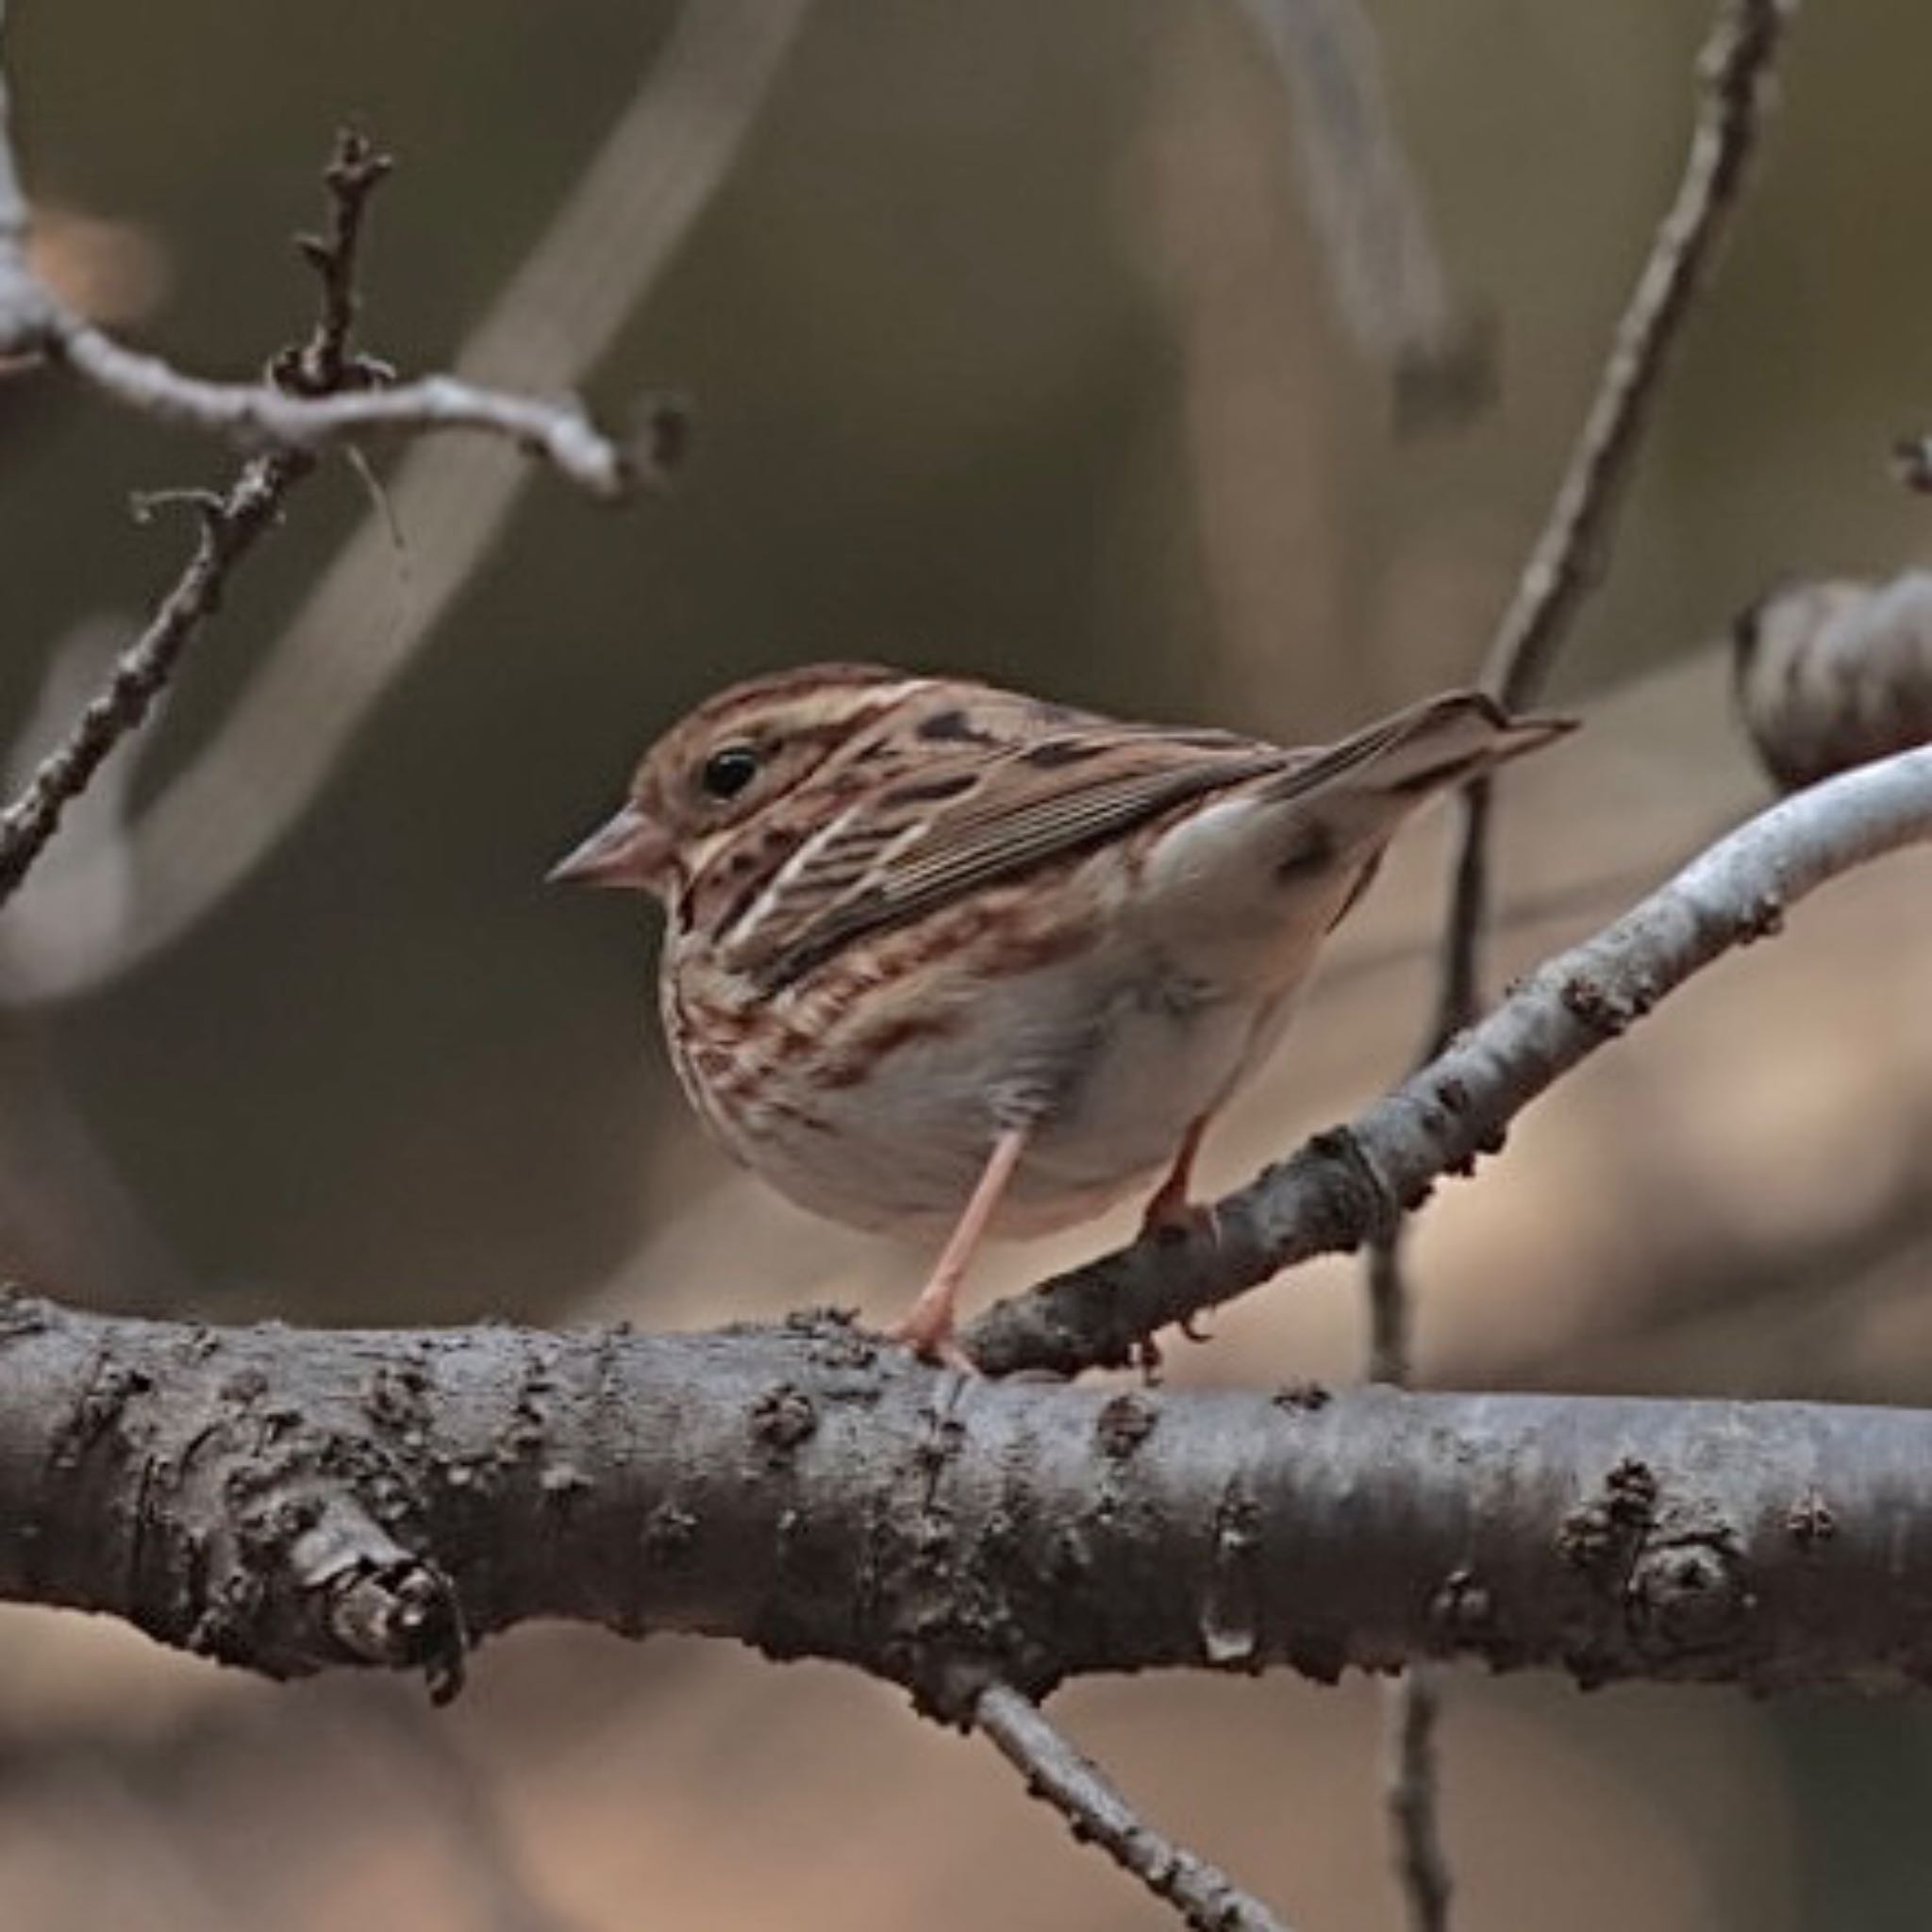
x=1671 y=1562
x=403 y=1615
x=294 y=1570
x=1689 y=1597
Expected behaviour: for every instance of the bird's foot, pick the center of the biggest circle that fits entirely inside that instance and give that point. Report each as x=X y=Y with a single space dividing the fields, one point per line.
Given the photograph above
x=1171 y=1216
x=928 y=1330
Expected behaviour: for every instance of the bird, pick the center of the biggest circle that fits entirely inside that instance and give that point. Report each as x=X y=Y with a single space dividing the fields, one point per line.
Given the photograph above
x=948 y=960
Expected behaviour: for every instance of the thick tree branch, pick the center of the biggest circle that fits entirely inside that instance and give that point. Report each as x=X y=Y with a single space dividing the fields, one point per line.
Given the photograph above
x=298 y=1501
x=1346 y=1185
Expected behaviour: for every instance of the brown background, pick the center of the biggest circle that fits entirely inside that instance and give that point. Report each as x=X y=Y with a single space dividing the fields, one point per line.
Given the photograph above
x=1012 y=351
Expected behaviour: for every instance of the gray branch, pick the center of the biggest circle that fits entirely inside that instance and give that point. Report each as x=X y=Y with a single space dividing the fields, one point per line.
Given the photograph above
x=231 y=525
x=294 y=1502
x=256 y=416
x=1059 y=1775
x=1348 y=1185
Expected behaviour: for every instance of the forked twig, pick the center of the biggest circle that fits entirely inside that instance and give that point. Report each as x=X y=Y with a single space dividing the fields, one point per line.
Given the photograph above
x=605 y=246
x=1057 y=1774
x=232 y=521
x=272 y=416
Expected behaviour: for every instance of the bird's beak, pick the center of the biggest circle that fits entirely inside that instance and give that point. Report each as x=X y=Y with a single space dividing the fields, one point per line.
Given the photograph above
x=628 y=850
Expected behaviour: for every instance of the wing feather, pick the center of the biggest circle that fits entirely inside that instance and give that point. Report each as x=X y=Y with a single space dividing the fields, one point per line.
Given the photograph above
x=1024 y=810
x=984 y=808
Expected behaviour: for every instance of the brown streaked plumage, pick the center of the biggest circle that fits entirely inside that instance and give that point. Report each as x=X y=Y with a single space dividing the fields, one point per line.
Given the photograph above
x=945 y=957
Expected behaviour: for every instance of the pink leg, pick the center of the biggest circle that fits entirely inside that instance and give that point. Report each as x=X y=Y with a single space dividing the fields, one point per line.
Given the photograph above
x=927 y=1326
x=1170 y=1208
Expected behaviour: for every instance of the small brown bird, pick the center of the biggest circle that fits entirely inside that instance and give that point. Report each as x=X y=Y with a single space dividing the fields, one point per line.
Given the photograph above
x=946 y=958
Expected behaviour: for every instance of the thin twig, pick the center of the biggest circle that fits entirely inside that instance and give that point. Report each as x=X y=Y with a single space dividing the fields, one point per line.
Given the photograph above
x=256 y=416
x=262 y=416
x=1736 y=69
x=324 y=364
x=230 y=527
x=1389 y=1350
x=1057 y=1774
x=231 y=524
x=1411 y=1707
x=1567 y=561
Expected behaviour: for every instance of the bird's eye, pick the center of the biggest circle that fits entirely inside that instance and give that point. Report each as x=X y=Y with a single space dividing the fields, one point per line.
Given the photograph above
x=728 y=771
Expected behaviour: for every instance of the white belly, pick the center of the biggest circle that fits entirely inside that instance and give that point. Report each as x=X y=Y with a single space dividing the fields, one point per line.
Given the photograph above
x=1112 y=1073
x=1107 y=1056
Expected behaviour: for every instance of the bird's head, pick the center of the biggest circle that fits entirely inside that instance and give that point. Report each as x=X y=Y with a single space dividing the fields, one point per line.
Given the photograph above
x=723 y=764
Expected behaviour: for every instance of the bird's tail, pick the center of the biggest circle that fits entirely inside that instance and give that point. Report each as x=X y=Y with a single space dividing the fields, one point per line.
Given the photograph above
x=1435 y=745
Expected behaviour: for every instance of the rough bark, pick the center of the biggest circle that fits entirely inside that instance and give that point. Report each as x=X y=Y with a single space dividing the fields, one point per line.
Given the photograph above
x=292 y=1501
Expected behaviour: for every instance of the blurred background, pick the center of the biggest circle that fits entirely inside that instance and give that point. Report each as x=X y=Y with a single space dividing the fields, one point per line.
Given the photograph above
x=1064 y=346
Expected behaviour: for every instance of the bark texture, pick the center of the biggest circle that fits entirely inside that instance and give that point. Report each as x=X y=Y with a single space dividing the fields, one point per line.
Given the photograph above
x=293 y=1501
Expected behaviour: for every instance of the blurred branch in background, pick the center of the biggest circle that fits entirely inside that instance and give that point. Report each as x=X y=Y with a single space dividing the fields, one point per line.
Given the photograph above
x=604 y=249
x=65 y=1214
x=1827 y=674
x=199 y=1839
x=1389 y=285
x=1721 y=1295
x=1569 y=558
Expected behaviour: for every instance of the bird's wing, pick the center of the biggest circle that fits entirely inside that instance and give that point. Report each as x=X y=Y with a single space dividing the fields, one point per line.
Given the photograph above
x=971 y=817
x=965 y=814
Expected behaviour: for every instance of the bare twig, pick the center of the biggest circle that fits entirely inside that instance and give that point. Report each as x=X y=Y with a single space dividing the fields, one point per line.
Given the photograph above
x=231 y=525
x=1391 y=1342
x=1059 y=1774
x=1736 y=71
x=262 y=415
x=324 y=364
x=256 y=416
x=1342 y=1185
x=1568 y=559
x=1411 y=1707
x=609 y=241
